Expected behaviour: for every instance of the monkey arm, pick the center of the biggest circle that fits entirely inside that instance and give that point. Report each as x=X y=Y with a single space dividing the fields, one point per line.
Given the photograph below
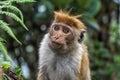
x=42 y=75
x=85 y=70
x=39 y=77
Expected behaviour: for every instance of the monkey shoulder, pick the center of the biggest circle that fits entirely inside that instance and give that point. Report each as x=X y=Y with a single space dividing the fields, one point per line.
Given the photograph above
x=84 y=46
x=84 y=66
x=85 y=52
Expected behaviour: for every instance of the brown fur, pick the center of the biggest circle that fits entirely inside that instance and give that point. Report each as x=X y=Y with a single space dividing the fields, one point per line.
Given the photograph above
x=70 y=20
x=84 y=65
x=39 y=77
x=83 y=71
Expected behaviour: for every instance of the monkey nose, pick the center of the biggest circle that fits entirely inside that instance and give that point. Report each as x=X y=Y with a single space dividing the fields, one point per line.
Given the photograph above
x=56 y=38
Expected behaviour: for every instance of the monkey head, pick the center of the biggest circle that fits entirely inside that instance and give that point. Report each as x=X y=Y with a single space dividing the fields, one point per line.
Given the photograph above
x=64 y=31
x=61 y=35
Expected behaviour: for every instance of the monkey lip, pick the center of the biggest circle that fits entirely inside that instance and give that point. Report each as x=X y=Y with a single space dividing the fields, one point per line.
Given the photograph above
x=55 y=44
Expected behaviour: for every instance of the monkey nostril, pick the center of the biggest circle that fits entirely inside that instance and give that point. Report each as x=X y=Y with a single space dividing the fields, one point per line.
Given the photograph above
x=55 y=38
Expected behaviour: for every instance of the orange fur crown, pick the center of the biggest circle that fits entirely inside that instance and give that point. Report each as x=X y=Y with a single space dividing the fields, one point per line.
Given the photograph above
x=70 y=20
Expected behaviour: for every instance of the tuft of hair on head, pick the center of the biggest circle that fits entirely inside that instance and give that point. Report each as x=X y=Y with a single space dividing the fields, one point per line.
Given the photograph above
x=65 y=17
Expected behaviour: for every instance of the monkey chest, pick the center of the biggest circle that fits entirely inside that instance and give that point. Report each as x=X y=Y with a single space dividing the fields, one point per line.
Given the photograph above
x=62 y=70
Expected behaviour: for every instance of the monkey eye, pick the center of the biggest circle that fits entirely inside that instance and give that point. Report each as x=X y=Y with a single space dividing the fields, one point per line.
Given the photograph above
x=66 y=30
x=56 y=27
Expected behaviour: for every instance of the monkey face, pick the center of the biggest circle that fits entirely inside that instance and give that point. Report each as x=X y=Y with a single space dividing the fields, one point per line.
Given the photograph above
x=60 y=36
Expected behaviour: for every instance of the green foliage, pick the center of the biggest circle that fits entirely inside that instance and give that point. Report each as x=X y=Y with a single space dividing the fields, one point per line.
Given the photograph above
x=13 y=9
x=60 y=3
x=7 y=8
x=84 y=4
x=19 y=72
x=4 y=78
x=98 y=65
x=3 y=63
x=6 y=65
x=20 y=1
x=115 y=33
x=16 y=18
x=92 y=22
x=90 y=11
x=93 y=8
x=3 y=49
x=4 y=26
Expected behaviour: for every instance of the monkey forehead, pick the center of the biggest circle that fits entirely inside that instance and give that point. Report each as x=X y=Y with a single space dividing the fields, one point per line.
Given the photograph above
x=62 y=24
x=70 y=20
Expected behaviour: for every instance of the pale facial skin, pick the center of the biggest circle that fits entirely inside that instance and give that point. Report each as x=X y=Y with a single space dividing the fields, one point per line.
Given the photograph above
x=61 y=34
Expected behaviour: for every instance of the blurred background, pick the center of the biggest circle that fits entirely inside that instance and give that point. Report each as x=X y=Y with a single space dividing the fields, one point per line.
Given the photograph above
x=102 y=18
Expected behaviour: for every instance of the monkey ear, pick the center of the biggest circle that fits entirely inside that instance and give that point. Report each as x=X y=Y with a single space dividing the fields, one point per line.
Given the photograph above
x=81 y=37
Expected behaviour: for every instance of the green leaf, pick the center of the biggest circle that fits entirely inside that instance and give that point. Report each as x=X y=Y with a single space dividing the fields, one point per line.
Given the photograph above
x=4 y=78
x=92 y=23
x=16 y=18
x=117 y=59
x=5 y=27
x=14 y=9
x=6 y=65
x=1 y=59
x=1 y=39
x=19 y=72
x=22 y=1
x=93 y=8
x=61 y=3
x=3 y=49
x=84 y=4
x=17 y=69
x=3 y=2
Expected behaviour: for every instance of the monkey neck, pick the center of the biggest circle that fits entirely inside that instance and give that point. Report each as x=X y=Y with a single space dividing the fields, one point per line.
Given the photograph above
x=60 y=67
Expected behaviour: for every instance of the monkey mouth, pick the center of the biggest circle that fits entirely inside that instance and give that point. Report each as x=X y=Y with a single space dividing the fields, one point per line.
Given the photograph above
x=55 y=44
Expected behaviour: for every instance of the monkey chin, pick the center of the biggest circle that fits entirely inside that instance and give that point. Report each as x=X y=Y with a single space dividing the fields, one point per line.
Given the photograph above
x=55 y=45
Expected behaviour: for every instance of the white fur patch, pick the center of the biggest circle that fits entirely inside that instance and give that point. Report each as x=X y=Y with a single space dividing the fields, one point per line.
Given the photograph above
x=64 y=67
